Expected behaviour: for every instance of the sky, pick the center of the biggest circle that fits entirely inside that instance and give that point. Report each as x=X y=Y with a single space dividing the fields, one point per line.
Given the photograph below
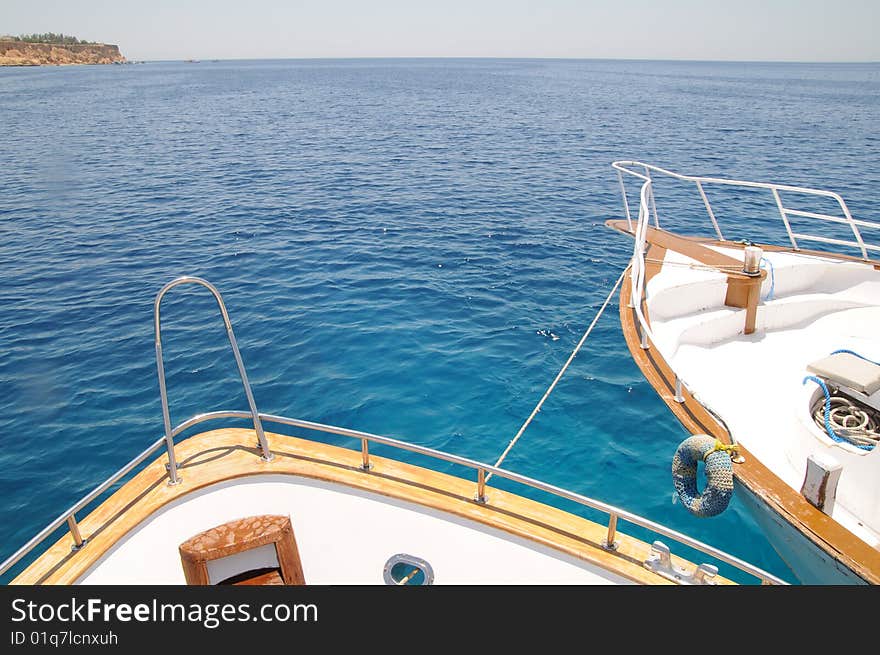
x=733 y=30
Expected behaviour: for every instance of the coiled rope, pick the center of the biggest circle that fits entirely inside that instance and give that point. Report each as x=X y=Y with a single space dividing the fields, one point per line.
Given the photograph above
x=560 y=374
x=843 y=420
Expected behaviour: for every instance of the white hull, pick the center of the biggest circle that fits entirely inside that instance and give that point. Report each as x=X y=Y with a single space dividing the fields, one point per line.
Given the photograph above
x=772 y=350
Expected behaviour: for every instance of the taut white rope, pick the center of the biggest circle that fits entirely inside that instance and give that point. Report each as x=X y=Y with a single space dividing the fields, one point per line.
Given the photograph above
x=560 y=374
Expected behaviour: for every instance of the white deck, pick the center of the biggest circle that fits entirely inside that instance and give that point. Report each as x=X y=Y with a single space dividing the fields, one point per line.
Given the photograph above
x=755 y=382
x=344 y=536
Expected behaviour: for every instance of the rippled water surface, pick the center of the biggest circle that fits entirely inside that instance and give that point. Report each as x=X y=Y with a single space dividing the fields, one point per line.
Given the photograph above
x=406 y=247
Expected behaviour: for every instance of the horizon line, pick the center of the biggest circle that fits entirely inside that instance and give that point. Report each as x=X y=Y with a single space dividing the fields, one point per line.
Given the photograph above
x=529 y=58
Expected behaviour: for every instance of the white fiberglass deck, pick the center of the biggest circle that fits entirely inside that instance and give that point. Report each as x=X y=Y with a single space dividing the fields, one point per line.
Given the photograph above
x=810 y=307
x=345 y=536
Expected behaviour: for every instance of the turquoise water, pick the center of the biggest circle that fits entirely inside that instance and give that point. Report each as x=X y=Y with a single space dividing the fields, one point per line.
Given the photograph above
x=406 y=247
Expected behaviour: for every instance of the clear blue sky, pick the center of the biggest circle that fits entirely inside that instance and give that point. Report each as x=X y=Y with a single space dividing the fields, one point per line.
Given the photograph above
x=774 y=30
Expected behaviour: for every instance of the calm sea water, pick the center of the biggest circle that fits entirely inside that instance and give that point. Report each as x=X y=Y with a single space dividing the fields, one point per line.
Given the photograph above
x=406 y=247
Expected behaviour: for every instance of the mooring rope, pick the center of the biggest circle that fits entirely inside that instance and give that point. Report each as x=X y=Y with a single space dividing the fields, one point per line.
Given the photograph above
x=732 y=268
x=560 y=374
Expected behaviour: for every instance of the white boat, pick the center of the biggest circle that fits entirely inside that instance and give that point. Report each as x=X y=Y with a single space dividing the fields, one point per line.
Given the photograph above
x=233 y=505
x=768 y=348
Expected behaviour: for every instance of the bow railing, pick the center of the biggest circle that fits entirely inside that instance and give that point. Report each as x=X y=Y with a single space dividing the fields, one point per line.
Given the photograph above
x=646 y=173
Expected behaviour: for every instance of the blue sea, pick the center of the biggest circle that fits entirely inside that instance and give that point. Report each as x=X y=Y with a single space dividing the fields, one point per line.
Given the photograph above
x=406 y=247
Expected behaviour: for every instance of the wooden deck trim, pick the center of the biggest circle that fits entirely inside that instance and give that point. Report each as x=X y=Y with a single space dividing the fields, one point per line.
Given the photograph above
x=743 y=291
x=216 y=456
x=620 y=225
x=692 y=248
x=696 y=419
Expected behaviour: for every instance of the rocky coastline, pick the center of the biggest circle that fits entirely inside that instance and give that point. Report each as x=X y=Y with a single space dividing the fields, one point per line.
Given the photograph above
x=22 y=53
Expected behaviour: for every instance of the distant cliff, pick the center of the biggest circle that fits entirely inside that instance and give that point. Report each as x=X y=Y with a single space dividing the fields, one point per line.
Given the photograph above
x=22 y=53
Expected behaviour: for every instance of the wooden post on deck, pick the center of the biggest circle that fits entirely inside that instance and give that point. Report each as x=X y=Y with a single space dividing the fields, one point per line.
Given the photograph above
x=745 y=293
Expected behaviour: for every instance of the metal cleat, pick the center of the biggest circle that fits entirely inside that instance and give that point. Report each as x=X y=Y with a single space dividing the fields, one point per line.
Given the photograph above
x=660 y=562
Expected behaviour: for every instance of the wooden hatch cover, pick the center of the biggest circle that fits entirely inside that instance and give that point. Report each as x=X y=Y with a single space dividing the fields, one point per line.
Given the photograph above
x=236 y=537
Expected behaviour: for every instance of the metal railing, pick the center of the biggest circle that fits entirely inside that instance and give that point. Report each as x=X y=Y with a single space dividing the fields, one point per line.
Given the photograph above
x=638 y=264
x=648 y=211
x=614 y=513
x=644 y=174
x=160 y=366
x=365 y=438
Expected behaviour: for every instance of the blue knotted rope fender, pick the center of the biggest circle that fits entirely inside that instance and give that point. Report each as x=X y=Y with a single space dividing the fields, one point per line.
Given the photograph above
x=719 y=475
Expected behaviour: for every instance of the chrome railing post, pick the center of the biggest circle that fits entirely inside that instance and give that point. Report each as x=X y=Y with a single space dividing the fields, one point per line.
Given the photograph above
x=365 y=454
x=633 y=276
x=709 y=209
x=855 y=230
x=650 y=187
x=784 y=218
x=258 y=426
x=481 y=486
x=629 y=222
x=78 y=541
x=612 y=532
x=643 y=341
x=679 y=398
x=166 y=416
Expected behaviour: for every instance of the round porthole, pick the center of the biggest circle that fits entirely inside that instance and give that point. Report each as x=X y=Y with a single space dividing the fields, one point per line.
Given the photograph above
x=403 y=569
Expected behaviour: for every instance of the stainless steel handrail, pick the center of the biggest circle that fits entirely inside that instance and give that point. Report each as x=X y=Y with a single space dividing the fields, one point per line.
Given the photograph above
x=365 y=438
x=65 y=517
x=614 y=513
x=647 y=207
x=166 y=416
x=638 y=264
x=644 y=175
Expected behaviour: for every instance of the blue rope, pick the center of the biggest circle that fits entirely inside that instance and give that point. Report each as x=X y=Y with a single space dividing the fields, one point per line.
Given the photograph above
x=772 y=278
x=828 y=429
x=844 y=350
